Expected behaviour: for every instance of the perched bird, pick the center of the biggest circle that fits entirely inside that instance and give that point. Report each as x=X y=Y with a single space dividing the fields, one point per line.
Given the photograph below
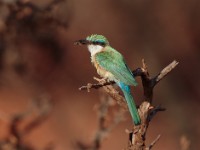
x=111 y=66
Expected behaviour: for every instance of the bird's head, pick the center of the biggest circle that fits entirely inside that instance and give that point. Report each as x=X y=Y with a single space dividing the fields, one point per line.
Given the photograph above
x=94 y=42
x=94 y=39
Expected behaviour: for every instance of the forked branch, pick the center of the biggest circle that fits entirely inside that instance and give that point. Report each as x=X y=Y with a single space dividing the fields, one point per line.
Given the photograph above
x=146 y=110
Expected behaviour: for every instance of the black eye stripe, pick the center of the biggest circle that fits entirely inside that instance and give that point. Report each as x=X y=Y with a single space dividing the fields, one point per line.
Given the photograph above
x=98 y=43
x=102 y=44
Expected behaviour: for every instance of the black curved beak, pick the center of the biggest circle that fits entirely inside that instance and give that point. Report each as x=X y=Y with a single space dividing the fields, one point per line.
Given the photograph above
x=81 y=42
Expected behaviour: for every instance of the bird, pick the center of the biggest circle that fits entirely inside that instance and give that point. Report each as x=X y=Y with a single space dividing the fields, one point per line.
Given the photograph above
x=110 y=65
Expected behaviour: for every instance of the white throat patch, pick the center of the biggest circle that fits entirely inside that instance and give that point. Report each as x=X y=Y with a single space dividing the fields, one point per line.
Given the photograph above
x=94 y=49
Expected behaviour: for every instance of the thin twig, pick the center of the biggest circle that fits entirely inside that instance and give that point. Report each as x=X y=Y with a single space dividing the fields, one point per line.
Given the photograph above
x=94 y=86
x=154 y=111
x=165 y=71
x=153 y=143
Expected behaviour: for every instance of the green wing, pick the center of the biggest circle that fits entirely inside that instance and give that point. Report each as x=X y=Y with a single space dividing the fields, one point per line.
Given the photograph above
x=113 y=61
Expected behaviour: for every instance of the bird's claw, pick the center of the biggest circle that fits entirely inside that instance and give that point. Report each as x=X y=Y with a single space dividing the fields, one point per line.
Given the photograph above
x=101 y=81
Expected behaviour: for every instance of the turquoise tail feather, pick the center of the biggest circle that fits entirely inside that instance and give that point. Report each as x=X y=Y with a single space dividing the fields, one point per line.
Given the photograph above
x=130 y=101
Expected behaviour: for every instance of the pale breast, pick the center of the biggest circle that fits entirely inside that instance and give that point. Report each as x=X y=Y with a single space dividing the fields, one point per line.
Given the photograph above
x=101 y=71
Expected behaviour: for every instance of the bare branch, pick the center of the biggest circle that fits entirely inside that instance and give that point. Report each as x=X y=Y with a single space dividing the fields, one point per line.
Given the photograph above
x=153 y=143
x=154 y=111
x=94 y=86
x=147 y=82
x=146 y=111
x=165 y=71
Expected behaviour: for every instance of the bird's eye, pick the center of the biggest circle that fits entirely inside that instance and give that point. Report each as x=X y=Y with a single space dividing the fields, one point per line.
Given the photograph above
x=98 y=43
x=102 y=43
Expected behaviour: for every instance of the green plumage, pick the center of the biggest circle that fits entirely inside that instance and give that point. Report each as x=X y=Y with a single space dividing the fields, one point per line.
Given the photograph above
x=113 y=61
x=97 y=38
x=110 y=64
x=131 y=104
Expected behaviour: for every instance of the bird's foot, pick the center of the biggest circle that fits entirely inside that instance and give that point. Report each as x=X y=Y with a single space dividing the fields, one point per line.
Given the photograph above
x=101 y=81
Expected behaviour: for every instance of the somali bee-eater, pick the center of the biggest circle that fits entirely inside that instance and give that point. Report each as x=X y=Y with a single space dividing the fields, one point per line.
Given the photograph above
x=111 y=66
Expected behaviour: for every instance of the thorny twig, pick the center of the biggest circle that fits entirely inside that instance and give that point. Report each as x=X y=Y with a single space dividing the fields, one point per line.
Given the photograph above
x=146 y=110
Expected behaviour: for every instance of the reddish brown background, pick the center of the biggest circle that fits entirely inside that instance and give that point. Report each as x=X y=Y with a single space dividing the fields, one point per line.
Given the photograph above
x=159 y=31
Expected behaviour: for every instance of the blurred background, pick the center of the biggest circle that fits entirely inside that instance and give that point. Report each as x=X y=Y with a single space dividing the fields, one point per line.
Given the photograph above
x=38 y=62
